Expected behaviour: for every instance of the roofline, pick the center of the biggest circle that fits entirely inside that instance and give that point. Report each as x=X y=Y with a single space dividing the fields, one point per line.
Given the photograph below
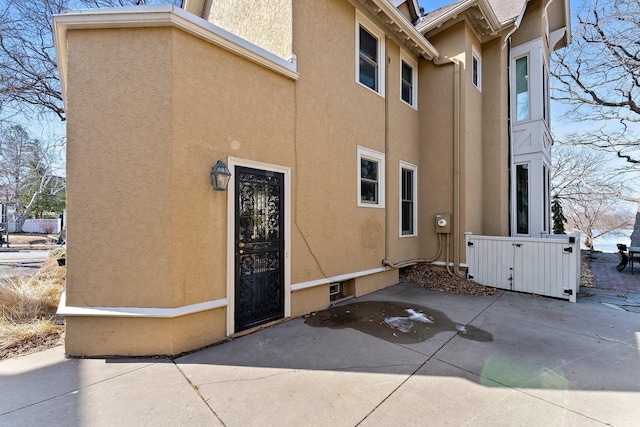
x=484 y=7
x=429 y=51
x=165 y=15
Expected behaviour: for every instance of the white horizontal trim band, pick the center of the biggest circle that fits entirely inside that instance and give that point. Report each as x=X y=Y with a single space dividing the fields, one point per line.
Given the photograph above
x=164 y=313
x=327 y=280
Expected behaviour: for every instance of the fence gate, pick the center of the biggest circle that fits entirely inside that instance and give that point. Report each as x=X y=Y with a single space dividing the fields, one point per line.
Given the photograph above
x=549 y=267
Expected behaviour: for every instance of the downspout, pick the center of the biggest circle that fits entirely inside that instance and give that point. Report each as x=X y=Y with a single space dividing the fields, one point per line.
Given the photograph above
x=386 y=151
x=457 y=82
x=509 y=137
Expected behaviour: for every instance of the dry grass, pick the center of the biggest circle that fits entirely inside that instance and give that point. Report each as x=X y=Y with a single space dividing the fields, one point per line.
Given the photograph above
x=28 y=320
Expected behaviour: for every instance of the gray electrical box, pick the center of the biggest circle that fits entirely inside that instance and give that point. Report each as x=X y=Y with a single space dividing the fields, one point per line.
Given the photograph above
x=443 y=223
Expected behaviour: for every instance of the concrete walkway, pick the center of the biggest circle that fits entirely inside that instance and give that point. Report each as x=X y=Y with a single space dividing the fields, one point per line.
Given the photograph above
x=510 y=359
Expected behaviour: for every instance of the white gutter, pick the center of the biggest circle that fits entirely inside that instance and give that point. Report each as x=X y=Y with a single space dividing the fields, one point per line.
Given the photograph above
x=160 y=16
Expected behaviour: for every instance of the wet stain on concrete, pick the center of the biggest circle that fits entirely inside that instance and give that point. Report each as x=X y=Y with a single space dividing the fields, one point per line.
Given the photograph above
x=396 y=322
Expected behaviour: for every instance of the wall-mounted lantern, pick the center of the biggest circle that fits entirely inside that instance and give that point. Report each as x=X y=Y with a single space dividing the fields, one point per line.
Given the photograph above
x=220 y=176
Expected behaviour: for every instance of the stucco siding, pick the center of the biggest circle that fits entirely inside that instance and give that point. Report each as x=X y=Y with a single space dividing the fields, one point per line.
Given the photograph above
x=495 y=140
x=473 y=159
x=264 y=23
x=222 y=106
x=403 y=145
x=532 y=26
x=119 y=176
x=341 y=236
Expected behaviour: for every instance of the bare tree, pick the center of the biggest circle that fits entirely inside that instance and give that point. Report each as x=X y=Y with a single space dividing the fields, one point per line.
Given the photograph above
x=26 y=167
x=598 y=77
x=591 y=197
x=28 y=71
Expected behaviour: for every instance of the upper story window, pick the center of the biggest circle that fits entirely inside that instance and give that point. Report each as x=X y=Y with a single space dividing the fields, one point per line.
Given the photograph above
x=370 y=178
x=409 y=81
x=370 y=56
x=522 y=88
x=545 y=94
x=368 y=60
x=476 y=69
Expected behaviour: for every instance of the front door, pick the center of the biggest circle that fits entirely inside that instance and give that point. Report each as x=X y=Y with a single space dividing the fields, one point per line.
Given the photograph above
x=259 y=247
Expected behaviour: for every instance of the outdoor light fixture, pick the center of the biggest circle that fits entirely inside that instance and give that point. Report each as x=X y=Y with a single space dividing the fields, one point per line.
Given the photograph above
x=220 y=176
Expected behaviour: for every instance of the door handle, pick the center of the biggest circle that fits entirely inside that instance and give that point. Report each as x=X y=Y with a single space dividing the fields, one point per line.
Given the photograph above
x=241 y=245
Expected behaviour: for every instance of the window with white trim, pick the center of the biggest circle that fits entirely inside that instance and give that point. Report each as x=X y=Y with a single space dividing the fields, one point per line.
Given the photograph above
x=522 y=88
x=370 y=178
x=408 y=199
x=522 y=198
x=409 y=81
x=476 y=69
x=369 y=55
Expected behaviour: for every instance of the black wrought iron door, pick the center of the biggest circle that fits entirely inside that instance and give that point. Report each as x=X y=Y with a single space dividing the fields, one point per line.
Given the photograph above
x=259 y=241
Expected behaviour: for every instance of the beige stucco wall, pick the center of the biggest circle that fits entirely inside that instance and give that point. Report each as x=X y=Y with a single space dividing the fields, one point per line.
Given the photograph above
x=341 y=236
x=495 y=203
x=403 y=145
x=437 y=134
x=150 y=111
x=264 y=23
x=472 y=148
x=310 y=299
x=119 y=169
x=484 y=143
x=532 y=25
x=126 y=336
x=149 y=119
x=435 y=103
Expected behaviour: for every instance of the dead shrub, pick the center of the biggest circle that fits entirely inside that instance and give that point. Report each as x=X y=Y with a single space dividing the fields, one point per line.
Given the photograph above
x=28 y=307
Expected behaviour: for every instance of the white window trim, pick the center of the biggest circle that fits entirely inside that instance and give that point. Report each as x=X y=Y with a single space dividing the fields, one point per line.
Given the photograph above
x=475 y=55
x=366 y=153
x=515 y=86
x=414 y=84
x=414 y=169
x=361 y=20
x=515 y=198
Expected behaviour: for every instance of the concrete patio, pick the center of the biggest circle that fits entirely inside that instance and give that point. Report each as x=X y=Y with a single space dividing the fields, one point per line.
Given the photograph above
x=508 y=359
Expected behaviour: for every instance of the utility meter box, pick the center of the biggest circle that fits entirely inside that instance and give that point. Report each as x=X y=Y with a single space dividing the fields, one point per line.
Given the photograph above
x=443 y=223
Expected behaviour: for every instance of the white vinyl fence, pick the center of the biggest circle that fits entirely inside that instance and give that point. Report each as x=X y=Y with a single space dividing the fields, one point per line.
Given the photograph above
x=547 y=266
x=46 y=226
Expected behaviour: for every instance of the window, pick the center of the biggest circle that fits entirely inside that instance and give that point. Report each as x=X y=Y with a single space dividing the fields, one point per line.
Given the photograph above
x=370 y=54
x=546 y=179
x=408 y=81
x=368 y=60
x=408 y=205
x=370 y=178
x=545 y=94
x=476 y=69
x=522 y=88
x=522 y=199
